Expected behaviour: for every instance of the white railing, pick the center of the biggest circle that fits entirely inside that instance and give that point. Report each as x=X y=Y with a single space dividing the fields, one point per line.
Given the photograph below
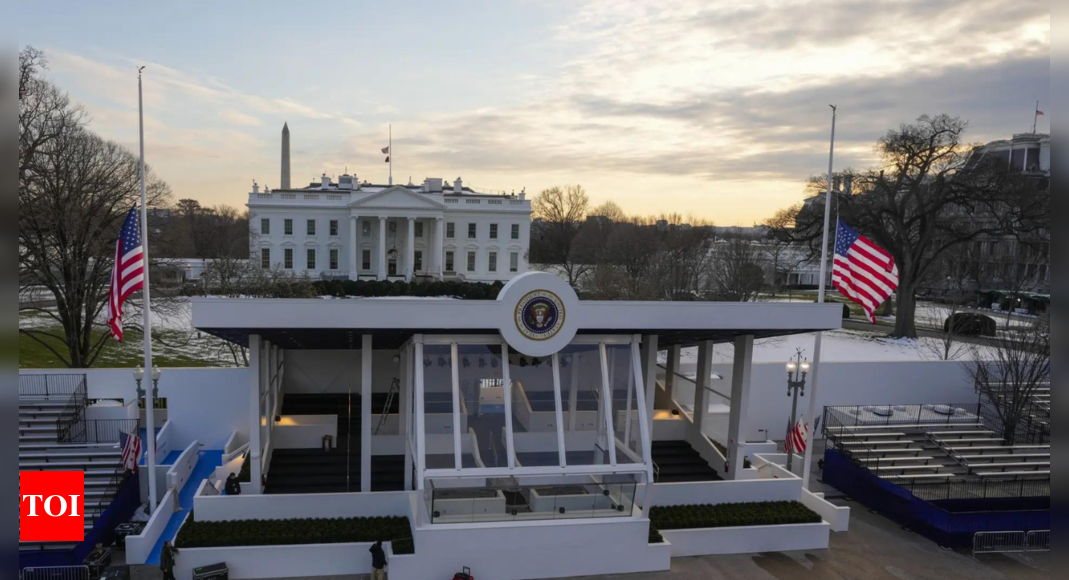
x=1038 y=541
x=311 y=196
x=55 y=573
x=264 y=196
x=334 y=197
x=289 y=196
x=473 y=201
x=999 y=543
x=451 y=200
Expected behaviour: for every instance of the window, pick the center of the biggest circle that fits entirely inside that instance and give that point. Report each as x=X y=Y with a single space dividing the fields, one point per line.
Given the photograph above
x=514 y=262
x=473 y=231
x=265 y=227
x=287 y=258
x=471 y=261
x=333 y=227
x=493 y=261
x=311 y=253
x=393 y=227
x=334 y=259
x=449 y=261
x=287 y=227
x=265 y=258
x=515 y=231
x=450 y=230
x=419 y=229
x=417 y=260
x=311 y=227
x=366 y=227
x=493 y=231
x=365 y=260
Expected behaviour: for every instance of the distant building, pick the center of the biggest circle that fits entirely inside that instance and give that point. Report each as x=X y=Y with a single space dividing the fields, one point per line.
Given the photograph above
x=357 y=230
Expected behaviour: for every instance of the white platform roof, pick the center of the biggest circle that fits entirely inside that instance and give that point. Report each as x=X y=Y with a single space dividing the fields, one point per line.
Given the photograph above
x=339 y=323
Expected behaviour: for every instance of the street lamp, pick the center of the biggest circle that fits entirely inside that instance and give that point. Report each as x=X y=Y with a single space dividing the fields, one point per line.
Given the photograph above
x=797 y=370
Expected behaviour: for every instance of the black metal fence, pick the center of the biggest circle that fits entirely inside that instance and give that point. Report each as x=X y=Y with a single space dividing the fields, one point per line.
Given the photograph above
x=71 y=422
x=51 y=386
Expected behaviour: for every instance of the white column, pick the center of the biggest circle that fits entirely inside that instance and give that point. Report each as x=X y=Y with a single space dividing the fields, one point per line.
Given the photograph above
x=671 y=377
x=410 y=251
x=421 y=435
x=255 y=376
x=740 y=403
x=382 y=248
x=439 y=250
x=353 y=250
x=405 y=416
x=365 y=413
x=702 y=380
x=573 y=392
x=649 y=376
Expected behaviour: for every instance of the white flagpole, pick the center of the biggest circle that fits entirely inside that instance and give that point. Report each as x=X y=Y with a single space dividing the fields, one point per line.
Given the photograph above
x=391 y=154
x=808 y=464
x=150 y=411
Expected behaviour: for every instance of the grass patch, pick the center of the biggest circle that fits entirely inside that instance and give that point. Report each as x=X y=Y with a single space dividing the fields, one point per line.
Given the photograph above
x=735 y=515
x=196 y=534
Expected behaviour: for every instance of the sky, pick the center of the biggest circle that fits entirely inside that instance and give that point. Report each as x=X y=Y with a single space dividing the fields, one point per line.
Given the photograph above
x=715 y=109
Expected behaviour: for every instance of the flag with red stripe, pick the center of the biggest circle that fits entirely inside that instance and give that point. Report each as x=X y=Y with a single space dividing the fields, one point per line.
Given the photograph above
x=796 y=437
x=131 y=450
x=128 y=273
x=863 y=271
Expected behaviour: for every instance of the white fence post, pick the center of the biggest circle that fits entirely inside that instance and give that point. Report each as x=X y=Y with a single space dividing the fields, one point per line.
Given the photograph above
x=999 y=543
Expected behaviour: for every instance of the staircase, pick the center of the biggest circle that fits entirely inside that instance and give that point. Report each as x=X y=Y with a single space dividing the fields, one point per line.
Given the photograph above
x=678 y=462
x=40 y=450
x=336 y=471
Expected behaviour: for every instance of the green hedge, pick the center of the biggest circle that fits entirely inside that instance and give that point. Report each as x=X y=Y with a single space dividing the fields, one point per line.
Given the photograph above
x=689 y=517
x=196 y=534
x=376 y=288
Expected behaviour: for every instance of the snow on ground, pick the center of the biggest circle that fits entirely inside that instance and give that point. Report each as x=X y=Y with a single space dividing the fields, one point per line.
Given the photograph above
x=839 y=346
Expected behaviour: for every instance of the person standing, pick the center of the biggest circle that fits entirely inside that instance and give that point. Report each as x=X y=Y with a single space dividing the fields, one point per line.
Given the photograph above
x=378 y=562
x=167 y=560
x=233 y=487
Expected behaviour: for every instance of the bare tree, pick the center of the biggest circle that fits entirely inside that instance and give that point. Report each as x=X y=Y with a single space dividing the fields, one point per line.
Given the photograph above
x=737 y=272
x=928 y=196
x=1009 y=377
x=782 y=252
x=561 y=212
x=74 y=191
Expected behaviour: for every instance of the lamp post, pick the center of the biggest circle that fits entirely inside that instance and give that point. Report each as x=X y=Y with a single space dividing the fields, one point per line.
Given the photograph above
x=797 y=370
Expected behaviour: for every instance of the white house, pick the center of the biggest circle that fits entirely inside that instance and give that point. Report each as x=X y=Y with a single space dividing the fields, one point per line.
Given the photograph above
x=353 y=230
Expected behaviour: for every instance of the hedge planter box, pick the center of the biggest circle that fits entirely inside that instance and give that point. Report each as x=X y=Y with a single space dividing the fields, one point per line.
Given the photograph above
x=748 y=540
x=281 y=561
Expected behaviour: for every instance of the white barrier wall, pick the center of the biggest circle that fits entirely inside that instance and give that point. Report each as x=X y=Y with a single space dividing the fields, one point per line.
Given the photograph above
x=262 y=562
x=722 y=492
x=140 y=546
x=179 y=473
x=749 y=540
x=314 y=506
x=205 y=405
x=843 y=383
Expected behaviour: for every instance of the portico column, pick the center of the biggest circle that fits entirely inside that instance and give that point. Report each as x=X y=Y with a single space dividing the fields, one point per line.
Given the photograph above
x=740 y=404
x=255 y=378
x=353 y=272
x=439 y=250
x=410 y=251
x=671 y=376
x=382 y=248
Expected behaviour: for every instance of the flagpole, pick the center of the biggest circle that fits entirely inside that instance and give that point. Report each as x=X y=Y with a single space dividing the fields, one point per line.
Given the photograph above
x=808 y=464
x=391 y=153
x=150 y=395
x=1035 y=119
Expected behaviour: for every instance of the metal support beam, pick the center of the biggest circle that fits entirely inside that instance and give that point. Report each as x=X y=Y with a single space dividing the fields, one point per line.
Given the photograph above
x=740 y=404
x=365 y=412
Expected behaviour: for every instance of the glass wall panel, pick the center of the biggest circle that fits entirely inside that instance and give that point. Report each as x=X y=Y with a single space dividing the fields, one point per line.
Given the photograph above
x=624 y=404
x=584 y=421
x=534 y=410
x=438 y=406
x=483 y=410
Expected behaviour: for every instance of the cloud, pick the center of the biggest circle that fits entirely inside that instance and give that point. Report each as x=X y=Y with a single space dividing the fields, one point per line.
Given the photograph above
x=238 y=118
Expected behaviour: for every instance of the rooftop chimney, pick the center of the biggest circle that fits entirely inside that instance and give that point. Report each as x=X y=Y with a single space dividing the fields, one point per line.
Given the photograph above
x=285 y=184
x=255 y=187
x=458 y=186
x=326 y=182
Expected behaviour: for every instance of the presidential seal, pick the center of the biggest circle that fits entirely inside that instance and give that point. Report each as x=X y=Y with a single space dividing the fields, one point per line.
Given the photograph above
x=539 y=315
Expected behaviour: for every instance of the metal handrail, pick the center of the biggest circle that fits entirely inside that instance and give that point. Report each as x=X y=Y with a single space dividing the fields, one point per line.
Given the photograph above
x=395 y=387
x=690 y=380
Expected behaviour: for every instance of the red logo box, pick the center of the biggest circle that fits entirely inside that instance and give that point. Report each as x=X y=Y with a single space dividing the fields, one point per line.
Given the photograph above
x=51 y=506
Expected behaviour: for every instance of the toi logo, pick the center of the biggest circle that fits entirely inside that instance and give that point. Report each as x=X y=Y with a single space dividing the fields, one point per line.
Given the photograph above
x=52 y=506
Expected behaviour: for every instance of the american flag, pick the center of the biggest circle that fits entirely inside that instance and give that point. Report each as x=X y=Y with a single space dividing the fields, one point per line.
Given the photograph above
x=863 y=271
x=131 y=450
x=796 y=437
x=128 y=274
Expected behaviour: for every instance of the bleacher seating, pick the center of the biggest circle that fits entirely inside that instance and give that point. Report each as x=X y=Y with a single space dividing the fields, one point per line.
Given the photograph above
x=41 y=450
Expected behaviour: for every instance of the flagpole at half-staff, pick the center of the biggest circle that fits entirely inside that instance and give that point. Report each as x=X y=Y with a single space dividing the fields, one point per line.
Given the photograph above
x=150 y=395
x=808 y=463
